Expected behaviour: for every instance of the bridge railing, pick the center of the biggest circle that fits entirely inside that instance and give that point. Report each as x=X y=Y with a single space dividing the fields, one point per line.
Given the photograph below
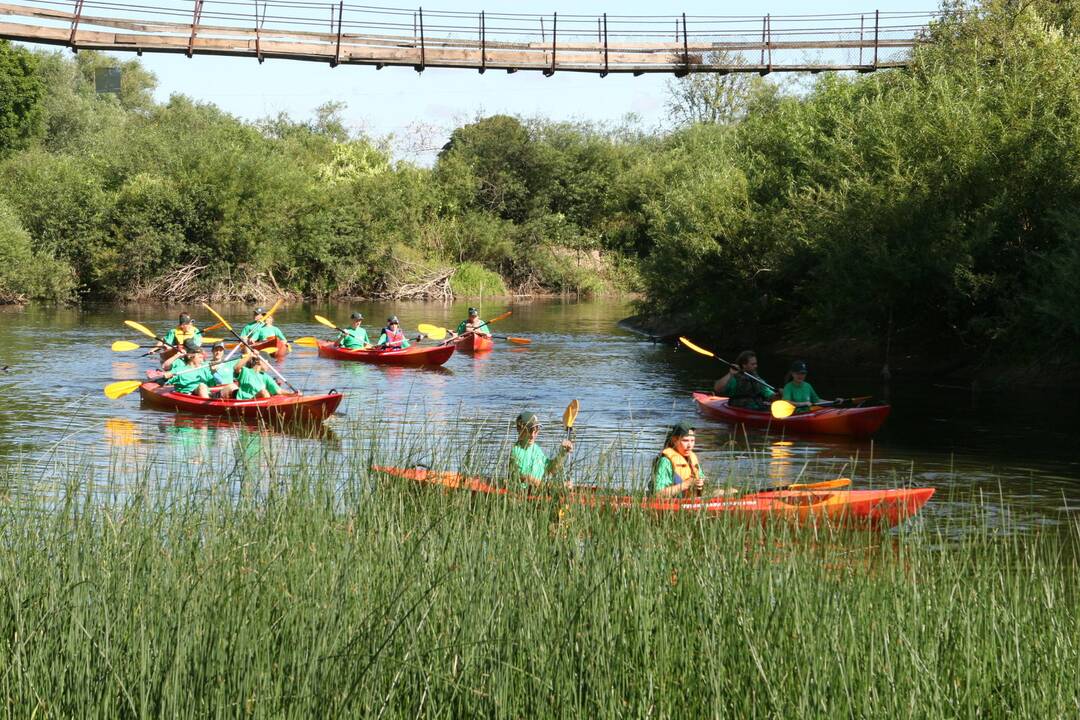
x=340 y=33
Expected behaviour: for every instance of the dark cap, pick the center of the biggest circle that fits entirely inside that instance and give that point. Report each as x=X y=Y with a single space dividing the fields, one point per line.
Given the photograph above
x=474 y=311
x=681 y=429
x=357 y=316
x=527 y=419
x=218 y=346
x=798 y=366
x=184 y=318
x=259 y=311
x=392 y=320
x=191 y=345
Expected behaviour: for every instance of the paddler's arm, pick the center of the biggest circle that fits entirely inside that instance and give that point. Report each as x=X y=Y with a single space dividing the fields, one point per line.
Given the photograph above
x=664 y=485
x=554 y=465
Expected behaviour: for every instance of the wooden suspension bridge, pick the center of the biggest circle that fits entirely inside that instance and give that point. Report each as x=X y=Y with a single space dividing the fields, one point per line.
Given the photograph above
x=341 y=34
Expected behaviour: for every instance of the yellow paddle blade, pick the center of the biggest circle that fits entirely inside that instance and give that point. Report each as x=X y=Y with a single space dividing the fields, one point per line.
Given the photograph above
x=519 y=341
x=323 y=321
x=139 y=327
x=215 y=326
x=432 y=331
x=695 y=348
x=211 y=341
x=124 y=346
x=823 y=485
x=121 y=388
x=221 y=320
x=497 y=318
x=306 y=342
x=570 y=414
x=782 y=409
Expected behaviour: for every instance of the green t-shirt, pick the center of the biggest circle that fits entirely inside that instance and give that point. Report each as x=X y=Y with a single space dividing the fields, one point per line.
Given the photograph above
x=177 y=365
x=663 y=474
x=268 y=331
x=462 y=328
x=800 y=393
x=527 y=462
x=354 y=338
x=170 y=337
x=251 y=382
x=188 y=382
x=226 y=371
x=250 y=329
x=382 y=341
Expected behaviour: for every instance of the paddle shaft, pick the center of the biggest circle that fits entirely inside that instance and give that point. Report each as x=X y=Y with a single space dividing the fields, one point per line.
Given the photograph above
x=255 y=352
x=259 y=326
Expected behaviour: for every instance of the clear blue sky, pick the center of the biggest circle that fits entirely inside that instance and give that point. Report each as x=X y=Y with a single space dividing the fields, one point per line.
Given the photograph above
x=398 y=100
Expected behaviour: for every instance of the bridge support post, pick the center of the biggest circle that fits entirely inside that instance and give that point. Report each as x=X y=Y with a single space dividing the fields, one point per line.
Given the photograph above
x=195 y=16
x=554 y=33
x=877 y=25
x=337 y=50
x=258 y=29
x=423 y=52
x=604 y=74
x=75 y=26
x=483 y=44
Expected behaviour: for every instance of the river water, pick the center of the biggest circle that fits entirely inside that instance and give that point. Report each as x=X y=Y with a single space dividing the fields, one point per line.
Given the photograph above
x=1019 y=453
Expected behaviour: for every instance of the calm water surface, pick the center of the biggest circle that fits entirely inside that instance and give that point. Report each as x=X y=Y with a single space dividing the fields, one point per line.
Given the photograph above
x=1022 y=453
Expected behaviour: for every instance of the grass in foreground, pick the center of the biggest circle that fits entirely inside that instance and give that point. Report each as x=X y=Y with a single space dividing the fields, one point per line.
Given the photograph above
x=311 y=592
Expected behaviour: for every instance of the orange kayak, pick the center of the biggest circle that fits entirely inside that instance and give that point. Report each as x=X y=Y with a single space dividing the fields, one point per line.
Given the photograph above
x=473 y=343
x=853 y=421
x=855 y=509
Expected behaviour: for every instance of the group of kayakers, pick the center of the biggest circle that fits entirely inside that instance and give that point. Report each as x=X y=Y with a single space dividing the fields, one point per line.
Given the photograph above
x=744 y=389
x=676 y=471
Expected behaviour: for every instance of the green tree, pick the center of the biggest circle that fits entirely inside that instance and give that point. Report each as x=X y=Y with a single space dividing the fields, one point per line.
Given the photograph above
x=21 y=91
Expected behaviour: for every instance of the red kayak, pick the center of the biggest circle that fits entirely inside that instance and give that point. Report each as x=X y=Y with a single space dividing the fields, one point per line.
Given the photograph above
x=413 y=356
x=279 y=407
x=473 y=343
x=853 y=421
x=855 y=509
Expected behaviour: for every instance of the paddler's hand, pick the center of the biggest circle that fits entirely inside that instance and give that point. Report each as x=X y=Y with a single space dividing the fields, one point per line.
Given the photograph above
x=567 y=446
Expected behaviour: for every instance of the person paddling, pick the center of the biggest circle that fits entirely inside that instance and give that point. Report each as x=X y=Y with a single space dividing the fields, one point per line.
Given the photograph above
x=529 y=466
x=268 y=330
x=224 y=371
x=472 y=324
x=185 y=329
x=800 y=393
x=676 y=470
x=253 y=382
x=741 y=385
x=356 y=337
x=392 y=336
x=192 y=377
x=249 y=330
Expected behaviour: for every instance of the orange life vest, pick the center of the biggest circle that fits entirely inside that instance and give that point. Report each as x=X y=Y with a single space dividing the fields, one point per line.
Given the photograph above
x=685 y=467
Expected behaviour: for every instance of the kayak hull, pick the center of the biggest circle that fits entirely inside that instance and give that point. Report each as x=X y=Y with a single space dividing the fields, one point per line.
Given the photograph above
x=853 y=422
x=288 y=408
x=474 y=343
x=851 y=509
x=415 y=356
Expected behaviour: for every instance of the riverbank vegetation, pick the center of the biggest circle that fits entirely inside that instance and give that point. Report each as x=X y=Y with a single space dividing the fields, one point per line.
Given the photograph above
x=298 y=587
x=933 y=206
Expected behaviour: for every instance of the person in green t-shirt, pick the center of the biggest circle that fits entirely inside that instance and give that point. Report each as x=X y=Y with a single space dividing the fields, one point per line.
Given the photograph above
x=472 y=324
x=356 y=337
x=195 y=378
x=800 y=393
x=224 y=371
x=253 y=382
x=185 y=330
x=529 y=466
x=742 y=386
x=249 y=330
x=268 y=330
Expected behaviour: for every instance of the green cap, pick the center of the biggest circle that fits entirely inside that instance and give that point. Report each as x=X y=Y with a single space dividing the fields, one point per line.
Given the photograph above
x=527 y=419
x=681 y=429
